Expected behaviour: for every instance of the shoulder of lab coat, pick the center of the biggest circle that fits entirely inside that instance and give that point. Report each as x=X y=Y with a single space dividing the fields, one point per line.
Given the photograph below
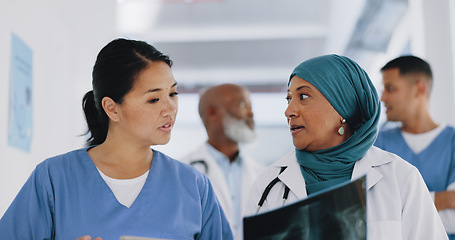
x=250 y=170
x=290 y=177
x=215 y=175
x=399 y=204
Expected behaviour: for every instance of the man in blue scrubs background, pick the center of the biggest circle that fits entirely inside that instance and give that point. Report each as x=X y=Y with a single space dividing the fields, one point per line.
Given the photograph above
x=419 y=140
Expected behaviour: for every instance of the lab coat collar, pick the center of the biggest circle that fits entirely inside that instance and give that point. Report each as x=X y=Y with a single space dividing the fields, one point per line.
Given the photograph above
x=291 y=176
x=366 y=166
x=216 y=176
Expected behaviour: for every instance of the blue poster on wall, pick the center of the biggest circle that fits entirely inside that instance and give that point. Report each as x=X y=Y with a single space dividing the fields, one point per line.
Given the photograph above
x=20 y=121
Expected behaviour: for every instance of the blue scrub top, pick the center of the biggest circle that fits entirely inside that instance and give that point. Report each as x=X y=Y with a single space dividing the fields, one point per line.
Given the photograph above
x=436 y=163
x=66 y=198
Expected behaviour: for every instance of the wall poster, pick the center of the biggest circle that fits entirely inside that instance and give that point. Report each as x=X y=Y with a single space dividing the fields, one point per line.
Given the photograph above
x=20 y=120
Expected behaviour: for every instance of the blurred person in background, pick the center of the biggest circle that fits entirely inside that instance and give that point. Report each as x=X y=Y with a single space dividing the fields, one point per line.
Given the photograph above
x=227 y=116
x=419 y=140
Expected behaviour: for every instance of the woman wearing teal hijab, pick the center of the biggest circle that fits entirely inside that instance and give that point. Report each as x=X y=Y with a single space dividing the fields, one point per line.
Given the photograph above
x=333 y=113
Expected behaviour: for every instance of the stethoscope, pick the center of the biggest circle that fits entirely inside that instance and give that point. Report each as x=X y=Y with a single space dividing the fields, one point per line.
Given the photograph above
x=203 y=163
x=269 y=187
x=266 y=190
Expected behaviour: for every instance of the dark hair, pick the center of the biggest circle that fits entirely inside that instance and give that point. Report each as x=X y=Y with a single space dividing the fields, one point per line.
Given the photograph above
x=410 y=64
x=116 y=68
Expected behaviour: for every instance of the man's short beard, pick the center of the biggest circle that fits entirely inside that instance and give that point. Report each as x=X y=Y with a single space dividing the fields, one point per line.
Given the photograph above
x=238 y=130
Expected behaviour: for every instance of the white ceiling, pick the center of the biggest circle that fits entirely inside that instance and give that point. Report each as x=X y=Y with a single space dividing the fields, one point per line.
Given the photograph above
x=257 y=42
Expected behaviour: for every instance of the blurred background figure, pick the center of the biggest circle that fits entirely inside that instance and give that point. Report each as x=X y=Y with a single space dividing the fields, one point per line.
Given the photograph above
x=227 y=116
x=419 y=140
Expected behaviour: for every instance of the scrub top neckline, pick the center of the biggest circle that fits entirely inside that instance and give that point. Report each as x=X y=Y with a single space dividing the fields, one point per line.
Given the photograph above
x=427 y=148
x=106 y=189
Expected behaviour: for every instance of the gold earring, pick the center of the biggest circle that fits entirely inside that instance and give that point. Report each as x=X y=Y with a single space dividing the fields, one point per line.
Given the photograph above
x=341 y=129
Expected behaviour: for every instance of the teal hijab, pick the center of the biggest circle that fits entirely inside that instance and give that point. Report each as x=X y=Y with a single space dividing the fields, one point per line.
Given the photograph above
x=350 y=91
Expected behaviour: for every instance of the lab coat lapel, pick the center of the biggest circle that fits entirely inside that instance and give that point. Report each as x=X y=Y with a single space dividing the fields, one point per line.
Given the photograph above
x=249 y=174
x=218 y=181
x=365 y=166
x=291 y=176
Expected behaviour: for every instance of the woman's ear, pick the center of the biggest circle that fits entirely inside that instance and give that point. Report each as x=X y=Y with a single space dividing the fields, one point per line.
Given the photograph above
x=110 y=108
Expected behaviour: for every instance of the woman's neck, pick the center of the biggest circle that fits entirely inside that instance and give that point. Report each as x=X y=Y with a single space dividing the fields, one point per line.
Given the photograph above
x=121 y=159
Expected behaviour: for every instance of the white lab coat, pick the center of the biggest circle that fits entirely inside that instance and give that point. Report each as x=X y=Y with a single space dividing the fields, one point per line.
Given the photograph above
x=250 y=170
x=399 y=205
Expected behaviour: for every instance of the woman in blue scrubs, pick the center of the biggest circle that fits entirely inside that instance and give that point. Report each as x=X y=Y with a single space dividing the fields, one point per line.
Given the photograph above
x=119 y=185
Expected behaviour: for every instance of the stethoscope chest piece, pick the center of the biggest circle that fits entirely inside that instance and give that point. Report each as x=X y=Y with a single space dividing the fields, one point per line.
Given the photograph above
x=269 y=187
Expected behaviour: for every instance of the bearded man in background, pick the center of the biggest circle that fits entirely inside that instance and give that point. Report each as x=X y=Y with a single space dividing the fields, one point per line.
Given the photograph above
x=227 y=116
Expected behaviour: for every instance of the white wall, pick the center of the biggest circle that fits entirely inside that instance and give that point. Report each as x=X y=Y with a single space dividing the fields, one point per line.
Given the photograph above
x=438 y=50
x=65 y=37
x=429 y=27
